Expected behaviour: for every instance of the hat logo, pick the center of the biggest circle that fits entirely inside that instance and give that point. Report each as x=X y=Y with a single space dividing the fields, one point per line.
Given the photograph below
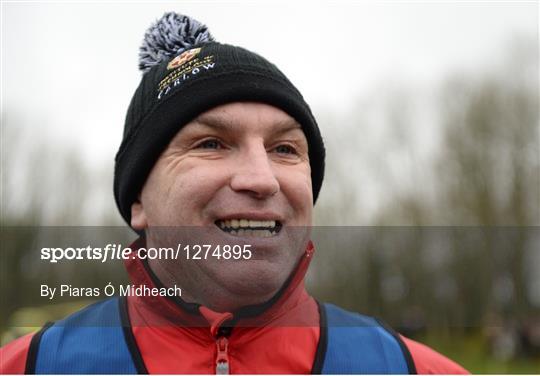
x=183 y=58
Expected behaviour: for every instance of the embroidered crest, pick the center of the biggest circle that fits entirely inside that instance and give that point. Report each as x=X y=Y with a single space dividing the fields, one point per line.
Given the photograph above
x=183 y=58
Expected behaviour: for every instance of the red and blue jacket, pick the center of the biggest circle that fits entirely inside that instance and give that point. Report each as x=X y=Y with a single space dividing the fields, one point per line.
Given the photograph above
x=292 y=333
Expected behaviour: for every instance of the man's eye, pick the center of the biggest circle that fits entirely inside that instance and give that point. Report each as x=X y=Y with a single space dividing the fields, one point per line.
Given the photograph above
x=209 y=144
x=285 y=149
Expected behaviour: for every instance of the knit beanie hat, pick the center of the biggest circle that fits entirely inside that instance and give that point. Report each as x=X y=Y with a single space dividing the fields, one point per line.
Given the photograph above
x=185 y=73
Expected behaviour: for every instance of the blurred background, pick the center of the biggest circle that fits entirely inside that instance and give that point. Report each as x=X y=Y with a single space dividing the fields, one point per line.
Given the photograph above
x=430 y=209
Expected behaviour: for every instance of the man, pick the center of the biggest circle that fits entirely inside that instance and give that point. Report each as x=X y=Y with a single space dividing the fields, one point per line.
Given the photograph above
x=219 y=149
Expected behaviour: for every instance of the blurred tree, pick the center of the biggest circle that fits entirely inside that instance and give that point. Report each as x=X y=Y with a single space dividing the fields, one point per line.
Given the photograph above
x=484 y=179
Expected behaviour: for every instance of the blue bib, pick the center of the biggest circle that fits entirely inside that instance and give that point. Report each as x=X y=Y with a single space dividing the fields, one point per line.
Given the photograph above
x=99 y=340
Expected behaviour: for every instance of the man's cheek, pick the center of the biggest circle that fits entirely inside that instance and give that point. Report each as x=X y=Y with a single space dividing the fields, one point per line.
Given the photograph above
x=299 y=188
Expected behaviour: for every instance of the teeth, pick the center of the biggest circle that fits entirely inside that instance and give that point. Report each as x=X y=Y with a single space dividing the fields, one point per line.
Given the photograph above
x=246 y=223
x=249 y=228
x=262 y=233
x=255 y=233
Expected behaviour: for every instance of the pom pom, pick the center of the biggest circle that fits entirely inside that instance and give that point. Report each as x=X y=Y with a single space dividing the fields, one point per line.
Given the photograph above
x=170 y=35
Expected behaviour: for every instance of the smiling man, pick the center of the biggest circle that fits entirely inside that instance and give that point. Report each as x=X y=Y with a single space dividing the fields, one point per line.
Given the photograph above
x=237 y=173
x=219 y=149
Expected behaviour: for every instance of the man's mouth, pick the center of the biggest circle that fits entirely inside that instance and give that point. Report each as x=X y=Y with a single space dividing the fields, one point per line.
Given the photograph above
x=249 y=227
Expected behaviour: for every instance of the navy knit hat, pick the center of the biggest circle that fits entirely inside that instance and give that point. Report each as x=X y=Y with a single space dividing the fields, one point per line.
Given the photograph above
x=185 y=74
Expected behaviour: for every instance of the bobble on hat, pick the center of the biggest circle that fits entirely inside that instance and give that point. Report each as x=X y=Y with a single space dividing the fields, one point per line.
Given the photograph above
x=168 y=36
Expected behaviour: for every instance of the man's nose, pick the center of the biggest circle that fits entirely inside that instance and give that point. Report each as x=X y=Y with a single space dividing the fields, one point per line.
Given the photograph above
x=253 y=173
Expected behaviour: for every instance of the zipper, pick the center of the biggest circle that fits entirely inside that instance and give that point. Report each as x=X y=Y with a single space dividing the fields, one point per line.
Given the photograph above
x=222 y=356
x=220 y=333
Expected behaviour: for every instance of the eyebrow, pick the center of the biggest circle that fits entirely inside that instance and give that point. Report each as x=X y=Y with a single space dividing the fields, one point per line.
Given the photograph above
x=228 y=124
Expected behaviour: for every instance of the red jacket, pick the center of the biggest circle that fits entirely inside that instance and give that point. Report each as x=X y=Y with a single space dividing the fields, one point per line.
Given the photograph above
x=282 y=338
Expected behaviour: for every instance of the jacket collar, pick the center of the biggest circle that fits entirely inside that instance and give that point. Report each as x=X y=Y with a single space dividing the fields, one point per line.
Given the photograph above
x=176 y=311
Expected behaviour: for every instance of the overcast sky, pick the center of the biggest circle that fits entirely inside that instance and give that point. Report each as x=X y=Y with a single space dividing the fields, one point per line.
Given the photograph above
x=69 y=69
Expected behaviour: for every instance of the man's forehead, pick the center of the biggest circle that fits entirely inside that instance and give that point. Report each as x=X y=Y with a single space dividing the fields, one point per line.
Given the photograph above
x=240 y=116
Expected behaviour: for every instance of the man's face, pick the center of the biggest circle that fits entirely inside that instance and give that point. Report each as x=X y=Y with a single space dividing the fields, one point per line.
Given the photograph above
x=241 y=172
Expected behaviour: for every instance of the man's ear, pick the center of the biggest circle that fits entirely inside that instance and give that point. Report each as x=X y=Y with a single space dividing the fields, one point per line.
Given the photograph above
x=138 y=216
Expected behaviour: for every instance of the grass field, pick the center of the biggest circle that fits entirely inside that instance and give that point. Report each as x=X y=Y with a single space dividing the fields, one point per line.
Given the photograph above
x=472 y=352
